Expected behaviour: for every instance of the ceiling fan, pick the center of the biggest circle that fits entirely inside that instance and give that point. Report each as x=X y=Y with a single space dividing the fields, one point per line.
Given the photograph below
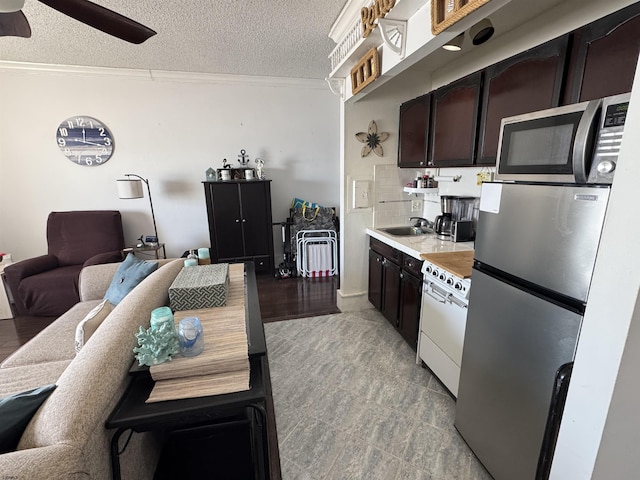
x=14 y=23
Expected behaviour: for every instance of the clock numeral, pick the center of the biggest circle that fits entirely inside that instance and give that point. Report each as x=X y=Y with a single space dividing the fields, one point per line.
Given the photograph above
x=62 y=142
x=98 y=159
x=63 y=131
x=70 y=123
x=67 y=152
x=107 y=141
x=80 y=122
x=104 y=152
x=91 y=124
x=101 y=130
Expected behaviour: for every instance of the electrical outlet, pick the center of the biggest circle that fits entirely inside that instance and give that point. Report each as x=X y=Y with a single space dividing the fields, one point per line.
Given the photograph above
x=416 y=205
x=484 y=177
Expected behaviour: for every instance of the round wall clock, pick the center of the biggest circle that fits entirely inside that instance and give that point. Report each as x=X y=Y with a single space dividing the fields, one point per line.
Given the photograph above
x=85 y=141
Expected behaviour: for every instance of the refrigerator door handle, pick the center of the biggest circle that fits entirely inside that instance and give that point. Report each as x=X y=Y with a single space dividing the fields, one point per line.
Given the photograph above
x=558 y=399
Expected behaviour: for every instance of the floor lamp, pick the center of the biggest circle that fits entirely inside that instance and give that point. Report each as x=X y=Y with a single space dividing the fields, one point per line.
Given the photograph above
x=129 y=188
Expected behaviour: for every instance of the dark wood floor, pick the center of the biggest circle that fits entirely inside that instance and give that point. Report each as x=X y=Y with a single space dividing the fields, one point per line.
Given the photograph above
x=291 y=298
x=284 y=299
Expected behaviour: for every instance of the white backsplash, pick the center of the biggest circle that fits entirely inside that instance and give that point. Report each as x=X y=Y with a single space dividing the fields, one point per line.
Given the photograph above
x=393 y=206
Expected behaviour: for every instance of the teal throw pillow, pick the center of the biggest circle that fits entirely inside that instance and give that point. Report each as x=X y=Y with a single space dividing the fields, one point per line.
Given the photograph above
x=16 y=412
x=129 y=274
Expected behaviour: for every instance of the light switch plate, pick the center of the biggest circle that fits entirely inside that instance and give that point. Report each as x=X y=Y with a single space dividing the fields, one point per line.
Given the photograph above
x=361 y=194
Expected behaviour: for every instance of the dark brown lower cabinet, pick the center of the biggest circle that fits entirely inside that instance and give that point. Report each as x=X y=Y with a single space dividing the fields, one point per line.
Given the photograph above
x=375 y=279
x=410 y=301
x=395 y=285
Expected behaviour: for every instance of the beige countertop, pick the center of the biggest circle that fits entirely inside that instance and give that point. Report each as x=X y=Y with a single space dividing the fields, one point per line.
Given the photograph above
x=455 y=257
x=418 y=245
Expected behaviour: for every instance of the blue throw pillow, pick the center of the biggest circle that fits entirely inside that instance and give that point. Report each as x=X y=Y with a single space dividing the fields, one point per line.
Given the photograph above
x=129 y=274
x=16 y=412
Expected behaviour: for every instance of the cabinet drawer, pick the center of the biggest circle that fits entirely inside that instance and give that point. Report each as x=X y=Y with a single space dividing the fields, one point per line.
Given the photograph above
x=439 y=363
x=386 y=251
x=412 y=265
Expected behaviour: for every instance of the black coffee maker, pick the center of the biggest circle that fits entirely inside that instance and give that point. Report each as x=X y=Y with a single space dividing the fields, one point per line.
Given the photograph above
x=444 y=221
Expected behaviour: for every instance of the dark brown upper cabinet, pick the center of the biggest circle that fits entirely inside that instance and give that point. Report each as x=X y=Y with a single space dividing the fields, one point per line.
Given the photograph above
x=603 y=56
x=527 y=82
x=454 y=122
x=413 y=132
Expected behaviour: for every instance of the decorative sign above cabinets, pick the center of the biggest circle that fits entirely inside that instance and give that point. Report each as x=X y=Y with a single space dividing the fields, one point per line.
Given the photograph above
x=365 y=71
x=369 y=15
x=445 y=13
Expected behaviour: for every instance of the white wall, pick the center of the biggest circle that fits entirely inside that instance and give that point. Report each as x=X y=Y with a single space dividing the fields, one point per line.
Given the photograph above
x=168 y=128
x=383 y=107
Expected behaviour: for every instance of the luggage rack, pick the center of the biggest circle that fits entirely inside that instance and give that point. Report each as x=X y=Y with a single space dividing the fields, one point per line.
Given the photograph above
x=317 y=253
x=323 y=220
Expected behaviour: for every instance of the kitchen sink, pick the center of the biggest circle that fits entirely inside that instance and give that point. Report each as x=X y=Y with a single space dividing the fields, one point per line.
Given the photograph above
x=405 y=231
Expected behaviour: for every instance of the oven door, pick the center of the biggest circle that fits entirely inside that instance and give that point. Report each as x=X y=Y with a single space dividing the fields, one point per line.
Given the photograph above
x=554 y=145
x=443 y=320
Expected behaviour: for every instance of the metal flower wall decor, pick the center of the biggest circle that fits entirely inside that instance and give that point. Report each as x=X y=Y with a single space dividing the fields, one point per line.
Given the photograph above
x=372 y=140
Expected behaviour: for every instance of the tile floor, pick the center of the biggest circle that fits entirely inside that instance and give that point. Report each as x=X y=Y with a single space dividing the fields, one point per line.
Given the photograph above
x=351 y=403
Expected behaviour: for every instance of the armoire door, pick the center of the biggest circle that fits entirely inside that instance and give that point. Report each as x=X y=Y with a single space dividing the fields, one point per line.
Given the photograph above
x=227 y=232
x=256 y=218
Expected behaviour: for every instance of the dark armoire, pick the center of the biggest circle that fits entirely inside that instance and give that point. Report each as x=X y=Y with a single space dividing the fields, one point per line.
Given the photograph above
x=240 y=225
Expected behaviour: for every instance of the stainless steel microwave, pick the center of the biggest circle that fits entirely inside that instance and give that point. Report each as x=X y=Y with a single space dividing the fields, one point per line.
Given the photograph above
x=576 y=143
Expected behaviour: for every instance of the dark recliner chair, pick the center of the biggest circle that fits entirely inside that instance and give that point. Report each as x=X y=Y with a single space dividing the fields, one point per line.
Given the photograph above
x=48 y=285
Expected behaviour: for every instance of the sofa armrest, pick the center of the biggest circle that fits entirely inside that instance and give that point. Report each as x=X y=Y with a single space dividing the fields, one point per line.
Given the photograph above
x=106 y=257
x=95 y=280
x=42 y=463
x=31 y=266
x=16 y=272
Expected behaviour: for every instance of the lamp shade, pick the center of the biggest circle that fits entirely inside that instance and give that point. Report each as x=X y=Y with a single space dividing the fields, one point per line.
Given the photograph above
x=130 y=188
x=10 y=6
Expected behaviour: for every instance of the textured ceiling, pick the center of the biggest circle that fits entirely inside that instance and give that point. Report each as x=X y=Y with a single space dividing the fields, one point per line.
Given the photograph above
x=282 y=38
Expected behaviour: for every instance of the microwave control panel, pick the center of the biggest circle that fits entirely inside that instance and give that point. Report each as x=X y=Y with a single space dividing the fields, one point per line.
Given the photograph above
x=609 y=138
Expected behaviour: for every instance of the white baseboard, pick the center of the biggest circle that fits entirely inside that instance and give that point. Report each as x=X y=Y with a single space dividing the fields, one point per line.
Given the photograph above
x=353 y=302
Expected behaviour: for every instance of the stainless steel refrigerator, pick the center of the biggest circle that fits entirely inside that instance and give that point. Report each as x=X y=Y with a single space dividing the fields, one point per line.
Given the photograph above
x=535 y=251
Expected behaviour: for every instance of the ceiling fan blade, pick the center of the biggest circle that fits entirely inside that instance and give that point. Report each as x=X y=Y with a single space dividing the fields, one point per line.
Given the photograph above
x=103 y=19
x=14 y=25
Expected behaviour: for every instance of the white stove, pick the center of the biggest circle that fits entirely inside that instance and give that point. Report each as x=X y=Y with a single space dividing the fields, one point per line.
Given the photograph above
x=443 y=319
x=451 y=283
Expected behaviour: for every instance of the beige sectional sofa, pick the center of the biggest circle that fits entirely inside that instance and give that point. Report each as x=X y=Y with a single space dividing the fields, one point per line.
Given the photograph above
x=67 y=439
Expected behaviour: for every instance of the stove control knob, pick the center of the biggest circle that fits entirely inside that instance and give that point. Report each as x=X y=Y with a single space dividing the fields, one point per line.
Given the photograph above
x=458 y=286
x=435 y=273
x=427 y=269
x=449 y=281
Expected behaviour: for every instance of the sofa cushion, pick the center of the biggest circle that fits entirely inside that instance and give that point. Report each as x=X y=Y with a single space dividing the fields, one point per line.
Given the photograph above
x=129 y=274
x=15 y=413
x=19 y=379
x=55 y=342
x=91 y=322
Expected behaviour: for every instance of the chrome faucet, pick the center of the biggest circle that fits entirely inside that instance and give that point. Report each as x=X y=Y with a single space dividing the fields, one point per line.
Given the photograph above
x=421 y=222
